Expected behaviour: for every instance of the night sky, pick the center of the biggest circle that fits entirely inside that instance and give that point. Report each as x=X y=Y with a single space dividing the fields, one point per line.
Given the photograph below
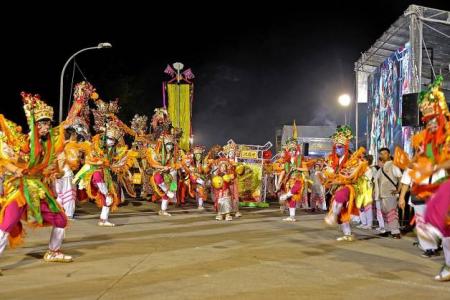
x=256 y=67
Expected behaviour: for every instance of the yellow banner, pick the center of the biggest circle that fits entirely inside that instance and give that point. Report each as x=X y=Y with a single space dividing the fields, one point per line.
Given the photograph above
x=180 y=110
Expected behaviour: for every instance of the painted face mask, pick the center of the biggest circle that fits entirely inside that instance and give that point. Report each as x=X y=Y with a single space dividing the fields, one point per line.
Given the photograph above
x=169 y=147
x=340 y=151
x=110 y=142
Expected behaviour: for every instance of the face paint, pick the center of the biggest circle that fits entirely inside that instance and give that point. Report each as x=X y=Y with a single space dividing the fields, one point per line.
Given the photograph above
x=169 y=147
x=340 y=150
x=43 y=127
x=432 y=125
x=110 y=142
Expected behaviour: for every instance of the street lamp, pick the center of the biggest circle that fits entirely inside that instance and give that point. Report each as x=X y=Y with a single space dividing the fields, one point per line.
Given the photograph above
x=345 y=100
x=61 y=85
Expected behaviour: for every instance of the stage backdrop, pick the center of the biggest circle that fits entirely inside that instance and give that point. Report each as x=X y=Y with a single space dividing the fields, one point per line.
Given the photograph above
x=386 y=85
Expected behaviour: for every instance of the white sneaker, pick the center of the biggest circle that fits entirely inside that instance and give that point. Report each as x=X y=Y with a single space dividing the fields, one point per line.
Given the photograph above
x=360 y=226
x=228 y=218
x=201 y=208
x=380 y=230
x=444 y=274
x=219 y=217
x=238 y=214
x=57 y=256
x=289 y=219
x=105 y=224
x=345 y=238
x=164 y=213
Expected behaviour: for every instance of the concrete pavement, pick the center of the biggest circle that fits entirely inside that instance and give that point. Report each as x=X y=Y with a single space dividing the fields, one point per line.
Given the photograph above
x=192 y=256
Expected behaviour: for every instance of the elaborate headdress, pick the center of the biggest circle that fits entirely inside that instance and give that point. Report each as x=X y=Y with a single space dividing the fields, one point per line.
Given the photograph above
x=139 y=123
x=432 y=101
x=160 y=116
x=343 y=135
x=230 y=146
x=199 y=149
x=292 y=143
x=113 y=131
x=83 y=91
x=103 y=112
x=160 y=122
x=35 y=108
x=81 y=127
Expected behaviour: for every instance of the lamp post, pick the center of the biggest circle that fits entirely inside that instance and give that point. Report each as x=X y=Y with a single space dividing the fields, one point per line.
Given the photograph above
x=61 y=85
x=344 y=100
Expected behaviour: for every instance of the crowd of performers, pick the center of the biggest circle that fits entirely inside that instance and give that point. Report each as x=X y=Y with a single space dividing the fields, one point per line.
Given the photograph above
x=46 y=171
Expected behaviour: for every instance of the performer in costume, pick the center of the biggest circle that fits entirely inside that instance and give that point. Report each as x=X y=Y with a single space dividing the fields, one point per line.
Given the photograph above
x=107 y=164
x=164 y=159
x=195 y=175
x=222 y=181
x=141 y=142
x=28 y=163
x=231 y=151
x=292 y=179
x=430 y=171
x=77 y=135
x=344 y=173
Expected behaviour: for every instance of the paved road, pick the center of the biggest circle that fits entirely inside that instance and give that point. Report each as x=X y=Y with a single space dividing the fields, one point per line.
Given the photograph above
x=192 y=256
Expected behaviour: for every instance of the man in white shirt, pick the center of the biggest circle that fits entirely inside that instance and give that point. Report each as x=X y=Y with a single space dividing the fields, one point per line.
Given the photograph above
x=388 y=179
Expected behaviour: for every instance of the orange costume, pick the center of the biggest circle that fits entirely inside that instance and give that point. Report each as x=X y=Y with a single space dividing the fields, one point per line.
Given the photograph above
x=343 y=172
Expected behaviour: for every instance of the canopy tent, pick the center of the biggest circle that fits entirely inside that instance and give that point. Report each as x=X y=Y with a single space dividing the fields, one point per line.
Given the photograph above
x=425 y=34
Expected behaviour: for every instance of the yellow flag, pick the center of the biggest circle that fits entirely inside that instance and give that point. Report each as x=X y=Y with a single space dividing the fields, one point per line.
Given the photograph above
x=294 y=131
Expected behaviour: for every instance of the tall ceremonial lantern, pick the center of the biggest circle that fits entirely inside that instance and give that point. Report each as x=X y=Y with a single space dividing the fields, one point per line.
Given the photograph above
x=180 y=93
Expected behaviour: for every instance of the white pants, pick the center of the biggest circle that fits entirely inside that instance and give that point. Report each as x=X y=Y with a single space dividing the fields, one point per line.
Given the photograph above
x=67 y=194
x=56 y=239
x=3 y=240
x=380 y=218
x=446 y=246
x=419 y=210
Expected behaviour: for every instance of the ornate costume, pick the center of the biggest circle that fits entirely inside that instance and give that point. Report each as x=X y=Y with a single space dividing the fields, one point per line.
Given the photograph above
x=231 y=151
x=429 y=171
x=194 y=176
x=77 y=144
x=29 y=164
x=106 y=170
x=221 y=183
x=291 y=179
x=345 y=177
x=164 y=160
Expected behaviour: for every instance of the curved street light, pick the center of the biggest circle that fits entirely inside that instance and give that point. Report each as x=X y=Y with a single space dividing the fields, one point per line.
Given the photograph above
x=61 y=84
